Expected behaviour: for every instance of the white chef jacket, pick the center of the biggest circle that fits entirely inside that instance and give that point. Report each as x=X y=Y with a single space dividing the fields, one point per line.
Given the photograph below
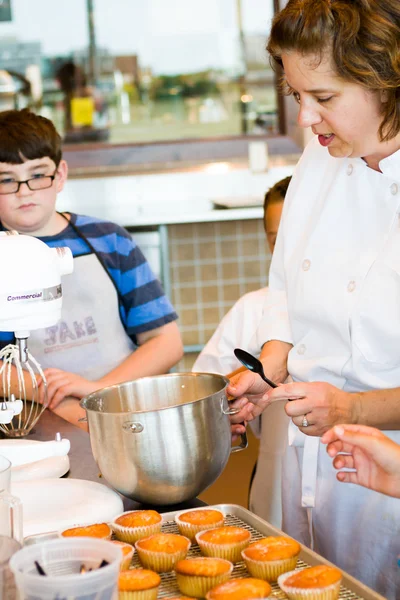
x=336 y=267
x=238 y=329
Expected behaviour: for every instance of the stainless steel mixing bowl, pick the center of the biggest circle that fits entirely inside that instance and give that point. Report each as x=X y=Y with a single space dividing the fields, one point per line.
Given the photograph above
x=163 y=439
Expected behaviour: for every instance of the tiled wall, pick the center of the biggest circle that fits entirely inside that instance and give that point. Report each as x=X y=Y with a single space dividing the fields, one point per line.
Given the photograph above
x=211 y=266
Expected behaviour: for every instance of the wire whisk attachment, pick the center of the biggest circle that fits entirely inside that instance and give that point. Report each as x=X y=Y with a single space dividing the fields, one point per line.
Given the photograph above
x=21 y=402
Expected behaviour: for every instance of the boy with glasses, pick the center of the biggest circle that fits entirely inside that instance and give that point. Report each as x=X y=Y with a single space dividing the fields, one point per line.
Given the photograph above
x=117 y=324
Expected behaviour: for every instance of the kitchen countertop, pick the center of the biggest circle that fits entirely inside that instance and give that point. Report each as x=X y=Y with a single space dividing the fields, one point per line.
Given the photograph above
x=174 y=197
x=82 y=463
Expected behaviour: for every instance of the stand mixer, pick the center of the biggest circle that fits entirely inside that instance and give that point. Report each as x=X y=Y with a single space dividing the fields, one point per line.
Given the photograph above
x=30 y=298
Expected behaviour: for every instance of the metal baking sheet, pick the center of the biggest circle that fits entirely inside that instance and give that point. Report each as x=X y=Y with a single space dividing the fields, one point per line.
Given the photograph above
x=241 y=517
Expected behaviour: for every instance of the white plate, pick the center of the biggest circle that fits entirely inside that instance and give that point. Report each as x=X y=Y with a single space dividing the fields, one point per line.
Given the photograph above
x=54 y=466
x=31 y=459
x=55 y=504
x=22 y=452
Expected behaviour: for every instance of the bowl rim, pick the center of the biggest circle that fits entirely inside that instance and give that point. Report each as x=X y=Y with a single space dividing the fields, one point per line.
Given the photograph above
x=83 y=402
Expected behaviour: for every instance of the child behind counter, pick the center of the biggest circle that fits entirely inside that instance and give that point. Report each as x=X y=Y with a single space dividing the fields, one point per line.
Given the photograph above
x=117 y=324
x=238 y=329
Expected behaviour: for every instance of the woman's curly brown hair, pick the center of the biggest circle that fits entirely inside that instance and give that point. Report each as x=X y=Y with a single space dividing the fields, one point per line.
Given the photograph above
x=363 y=36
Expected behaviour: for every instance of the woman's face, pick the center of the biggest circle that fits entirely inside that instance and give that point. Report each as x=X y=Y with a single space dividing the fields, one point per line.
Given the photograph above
x=345 y=116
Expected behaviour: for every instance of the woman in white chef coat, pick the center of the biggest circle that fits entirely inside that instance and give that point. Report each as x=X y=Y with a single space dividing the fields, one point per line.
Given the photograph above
x=332 y=318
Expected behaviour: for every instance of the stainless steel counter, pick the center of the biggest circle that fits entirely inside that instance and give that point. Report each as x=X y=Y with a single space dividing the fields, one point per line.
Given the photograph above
x=82 y=463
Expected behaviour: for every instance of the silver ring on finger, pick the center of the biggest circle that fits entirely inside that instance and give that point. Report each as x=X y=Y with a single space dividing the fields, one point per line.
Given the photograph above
x=305 y=422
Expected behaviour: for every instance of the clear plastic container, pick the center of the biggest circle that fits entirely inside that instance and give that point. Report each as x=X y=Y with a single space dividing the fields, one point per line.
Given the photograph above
x=8 y=547
x=62 y=560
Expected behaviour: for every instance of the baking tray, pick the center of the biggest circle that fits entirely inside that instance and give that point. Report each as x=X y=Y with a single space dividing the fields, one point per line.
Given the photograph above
x=241 y=517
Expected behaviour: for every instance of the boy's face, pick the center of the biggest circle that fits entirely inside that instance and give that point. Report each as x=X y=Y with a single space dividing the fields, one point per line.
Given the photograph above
x=271 y=222
x=28 y=211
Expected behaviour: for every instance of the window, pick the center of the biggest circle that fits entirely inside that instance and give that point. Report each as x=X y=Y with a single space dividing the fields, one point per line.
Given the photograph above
x=127 y=72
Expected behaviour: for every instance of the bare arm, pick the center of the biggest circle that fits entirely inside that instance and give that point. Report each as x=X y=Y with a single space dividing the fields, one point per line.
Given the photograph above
x=378 y=408
x=158 y=351
x=70 y=410
x=14 y=388
x=235 y=372
x=325 y=405
x=274 y=356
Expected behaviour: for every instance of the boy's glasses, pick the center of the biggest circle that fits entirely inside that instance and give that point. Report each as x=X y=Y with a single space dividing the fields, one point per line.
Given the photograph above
x=9 y=186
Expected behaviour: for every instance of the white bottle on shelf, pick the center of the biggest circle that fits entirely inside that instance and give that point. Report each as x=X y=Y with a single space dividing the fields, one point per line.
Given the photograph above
x=258 y=156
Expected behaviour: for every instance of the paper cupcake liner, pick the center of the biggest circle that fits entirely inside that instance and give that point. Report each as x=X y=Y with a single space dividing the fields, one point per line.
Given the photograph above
x=269 y=570
x=329 y=592
x=198 y=585
x=190 y=529
x=231 y=552
x=133 y=534
x=138 y=594
x=126 y=559
x=126 y=562
x=160 y=562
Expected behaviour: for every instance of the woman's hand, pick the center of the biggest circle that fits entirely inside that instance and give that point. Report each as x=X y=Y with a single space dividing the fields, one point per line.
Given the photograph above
x=248 y=391
x=321 y=403
x=62 y=384
x=375 y=457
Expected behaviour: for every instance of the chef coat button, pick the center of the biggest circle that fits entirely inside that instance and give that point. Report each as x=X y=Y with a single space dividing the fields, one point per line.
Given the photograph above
x=349 y=169
x=394 y=188
x=306 y=264
x=301 y=349
x=352 y=286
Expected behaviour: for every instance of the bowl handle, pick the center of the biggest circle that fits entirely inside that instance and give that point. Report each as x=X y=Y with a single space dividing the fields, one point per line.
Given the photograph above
x=244 y=441
x=243 y=444
x=132 y=427
x=229 y=411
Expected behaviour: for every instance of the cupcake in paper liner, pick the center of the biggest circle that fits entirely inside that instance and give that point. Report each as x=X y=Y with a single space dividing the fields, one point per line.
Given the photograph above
x=102 y=531
x=271 y=556
x=134 y=525
x=240 y=589
x=127 y=554
x=190 y=522
x=224 y=542
x=314 y=583
x=138 y=584
x=161 y=552
x=196 y=576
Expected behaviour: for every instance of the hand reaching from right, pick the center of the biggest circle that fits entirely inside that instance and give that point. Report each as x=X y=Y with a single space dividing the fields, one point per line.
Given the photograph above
x=374 y=457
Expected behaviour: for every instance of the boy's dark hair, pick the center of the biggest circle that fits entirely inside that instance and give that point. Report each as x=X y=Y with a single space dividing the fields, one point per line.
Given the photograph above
x=26 y=136
x=277 y=193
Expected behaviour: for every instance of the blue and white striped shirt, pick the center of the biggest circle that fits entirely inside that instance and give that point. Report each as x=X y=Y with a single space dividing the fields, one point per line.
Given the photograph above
x=143 y=305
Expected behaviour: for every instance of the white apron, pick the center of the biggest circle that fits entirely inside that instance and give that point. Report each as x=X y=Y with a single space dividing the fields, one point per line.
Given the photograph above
x=90 y=339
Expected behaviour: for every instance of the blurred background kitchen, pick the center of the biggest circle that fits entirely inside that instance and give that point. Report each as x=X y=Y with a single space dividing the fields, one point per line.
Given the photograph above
x=139 y=72
x=173 y=128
